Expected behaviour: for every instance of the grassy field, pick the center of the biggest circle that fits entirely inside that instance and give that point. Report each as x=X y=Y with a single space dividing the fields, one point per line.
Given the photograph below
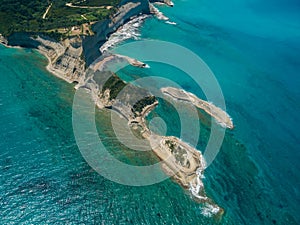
x=26 y=15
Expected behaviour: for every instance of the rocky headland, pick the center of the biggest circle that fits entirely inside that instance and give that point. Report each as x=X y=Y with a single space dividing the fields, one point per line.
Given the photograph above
x=182 y=162
x=69 y=58
x=79 y=60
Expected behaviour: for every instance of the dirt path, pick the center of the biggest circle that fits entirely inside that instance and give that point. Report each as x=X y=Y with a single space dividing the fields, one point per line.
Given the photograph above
x=88 y=7
x=47 y=10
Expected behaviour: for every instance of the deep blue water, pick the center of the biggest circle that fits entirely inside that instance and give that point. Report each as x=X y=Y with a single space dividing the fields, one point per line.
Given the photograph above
x=253 y=49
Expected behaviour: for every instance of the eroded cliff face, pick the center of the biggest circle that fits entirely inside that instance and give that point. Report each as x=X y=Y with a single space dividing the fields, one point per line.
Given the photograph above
x=22 y=39
x=127 y=10
x=68 y=59
x=65 y=58
x=3 y=40
x=167 y=2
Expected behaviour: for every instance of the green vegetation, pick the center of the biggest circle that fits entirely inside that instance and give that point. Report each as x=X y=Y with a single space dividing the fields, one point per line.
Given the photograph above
x=178 y=152
x=180 y=155
x=19 y=15
x=141 y=104
x=171 y=145
x=27 y=15
x=115 y=85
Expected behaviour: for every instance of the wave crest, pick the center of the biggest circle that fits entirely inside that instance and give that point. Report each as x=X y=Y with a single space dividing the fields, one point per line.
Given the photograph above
x=210 y=210
x=129 y=30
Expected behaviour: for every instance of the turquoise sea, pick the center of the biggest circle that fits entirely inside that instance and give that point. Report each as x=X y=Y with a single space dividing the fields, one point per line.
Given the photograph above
x=253 y=48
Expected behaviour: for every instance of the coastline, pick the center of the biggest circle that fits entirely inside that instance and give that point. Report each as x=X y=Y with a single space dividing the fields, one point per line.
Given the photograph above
x=51 y=70
x=46 y=179
x=49 y=67
x=182 y=162
x=188 y=176
x=128 y=16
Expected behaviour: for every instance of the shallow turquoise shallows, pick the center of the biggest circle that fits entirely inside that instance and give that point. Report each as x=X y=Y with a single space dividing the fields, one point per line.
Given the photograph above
x=253 y=48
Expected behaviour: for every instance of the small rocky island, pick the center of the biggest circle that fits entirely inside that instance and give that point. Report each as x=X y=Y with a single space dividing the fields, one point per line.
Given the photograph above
x=217 y=113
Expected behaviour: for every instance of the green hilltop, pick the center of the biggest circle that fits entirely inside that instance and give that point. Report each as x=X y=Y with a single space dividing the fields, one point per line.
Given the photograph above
x=63 y=17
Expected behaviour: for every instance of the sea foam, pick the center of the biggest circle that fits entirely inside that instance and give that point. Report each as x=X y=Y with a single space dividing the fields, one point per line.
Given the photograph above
x=129 y=30
x=196 y=188
x=209 y=210
x=171 y=23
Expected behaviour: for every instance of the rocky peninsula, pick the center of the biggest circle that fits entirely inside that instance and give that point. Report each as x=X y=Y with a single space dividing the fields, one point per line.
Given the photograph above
x=78 y=59
x=180 y=161
x=217 y=113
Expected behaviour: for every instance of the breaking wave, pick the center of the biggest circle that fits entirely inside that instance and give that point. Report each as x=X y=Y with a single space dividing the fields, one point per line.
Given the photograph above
x=209 y=210
x=198 y=186
x=170 y=22
x=129 y=30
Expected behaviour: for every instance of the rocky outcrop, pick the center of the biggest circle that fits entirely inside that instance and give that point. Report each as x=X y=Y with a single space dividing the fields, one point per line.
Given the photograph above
x=215 y=112
x=109 y=91
x=65 y=58
x=69 y=58
x=167 y=2
x=3 y=40
x=182 y=162
x=127 y=11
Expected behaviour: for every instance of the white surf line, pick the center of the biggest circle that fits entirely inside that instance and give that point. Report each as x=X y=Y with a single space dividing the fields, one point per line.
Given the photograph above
x=171 y=23
x=129 y=30
x=47 y=10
